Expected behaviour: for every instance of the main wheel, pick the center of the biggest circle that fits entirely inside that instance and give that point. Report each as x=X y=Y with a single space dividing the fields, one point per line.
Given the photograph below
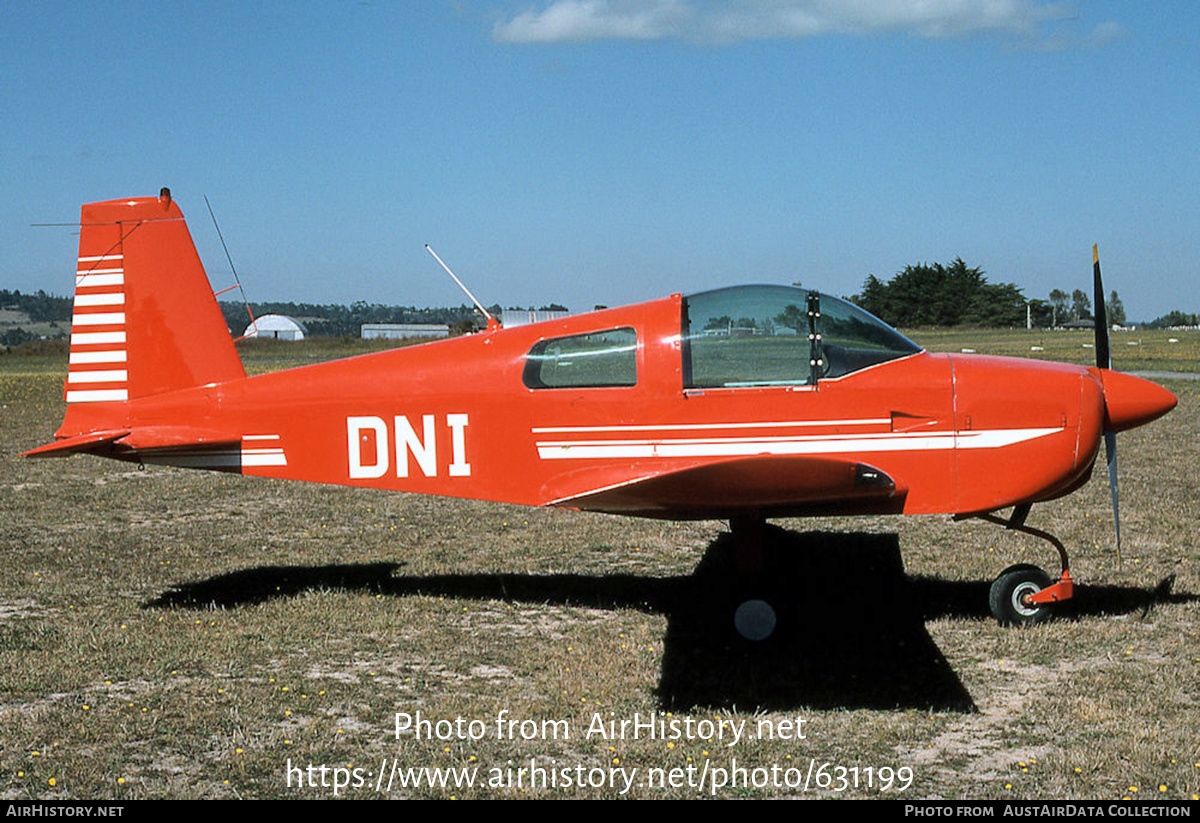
x=1008 y=596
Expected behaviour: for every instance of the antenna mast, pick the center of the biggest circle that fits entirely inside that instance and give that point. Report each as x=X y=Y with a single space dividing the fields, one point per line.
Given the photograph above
x=492 y=323
x=237 y=280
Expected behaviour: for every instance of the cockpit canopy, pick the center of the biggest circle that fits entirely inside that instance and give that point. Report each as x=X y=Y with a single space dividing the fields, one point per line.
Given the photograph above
x=762 y=336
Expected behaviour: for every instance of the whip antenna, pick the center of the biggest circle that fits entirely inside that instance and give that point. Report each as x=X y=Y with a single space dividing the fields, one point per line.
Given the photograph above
x=237 y=280
x=492 y=323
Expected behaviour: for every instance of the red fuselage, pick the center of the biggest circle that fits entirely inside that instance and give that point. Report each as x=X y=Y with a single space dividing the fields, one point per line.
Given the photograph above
x=957 y=433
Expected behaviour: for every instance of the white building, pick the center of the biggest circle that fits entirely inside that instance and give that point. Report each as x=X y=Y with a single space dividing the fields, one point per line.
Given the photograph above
x=276 y=327
x=522 y=317
x=397 y=331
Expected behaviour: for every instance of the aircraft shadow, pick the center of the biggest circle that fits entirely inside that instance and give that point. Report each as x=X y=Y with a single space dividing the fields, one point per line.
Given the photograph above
x=849 y=633
x=850 y=629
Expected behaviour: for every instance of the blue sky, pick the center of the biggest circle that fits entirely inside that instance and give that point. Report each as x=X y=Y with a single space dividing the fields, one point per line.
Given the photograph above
x=609 y=151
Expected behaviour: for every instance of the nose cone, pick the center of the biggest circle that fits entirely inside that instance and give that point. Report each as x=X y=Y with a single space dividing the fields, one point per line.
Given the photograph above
x=1131 y=401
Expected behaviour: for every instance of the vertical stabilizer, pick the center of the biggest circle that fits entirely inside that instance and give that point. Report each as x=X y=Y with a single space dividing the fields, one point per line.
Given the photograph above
x=145 y=320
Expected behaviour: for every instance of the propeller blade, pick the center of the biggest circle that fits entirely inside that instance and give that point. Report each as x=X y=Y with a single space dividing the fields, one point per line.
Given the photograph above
x=1104 y=361
x=1110 y=454
x=1103 y=354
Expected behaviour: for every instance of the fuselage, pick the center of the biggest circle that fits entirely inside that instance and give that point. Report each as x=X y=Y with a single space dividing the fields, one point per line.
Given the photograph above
x=495 y=416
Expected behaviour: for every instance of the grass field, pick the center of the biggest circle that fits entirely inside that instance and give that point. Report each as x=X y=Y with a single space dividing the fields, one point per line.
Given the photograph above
x=176 y=634
x=1141 y=350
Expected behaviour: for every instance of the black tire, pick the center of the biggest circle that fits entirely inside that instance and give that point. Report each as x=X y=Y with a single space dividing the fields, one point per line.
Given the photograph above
x=1006 y=597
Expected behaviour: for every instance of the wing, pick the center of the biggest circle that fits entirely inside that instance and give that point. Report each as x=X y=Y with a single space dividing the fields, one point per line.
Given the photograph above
x=769 y=486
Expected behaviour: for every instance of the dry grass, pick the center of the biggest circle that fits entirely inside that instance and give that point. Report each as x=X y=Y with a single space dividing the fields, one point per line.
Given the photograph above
x=174 y=634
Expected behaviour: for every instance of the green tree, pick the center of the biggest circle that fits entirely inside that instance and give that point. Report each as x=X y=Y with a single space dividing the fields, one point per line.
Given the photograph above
x=1115 y=309
x=1081 y=305
x=1060 y=304
x=942 y=295
x=1042 y=313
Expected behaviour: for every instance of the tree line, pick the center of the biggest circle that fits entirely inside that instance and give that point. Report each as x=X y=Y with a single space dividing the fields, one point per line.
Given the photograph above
x=956 y=294
x=1174 y=319
x=953 y=294
x=40 y=306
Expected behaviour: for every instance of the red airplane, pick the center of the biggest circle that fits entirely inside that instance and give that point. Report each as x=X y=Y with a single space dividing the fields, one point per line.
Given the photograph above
x=742 y=403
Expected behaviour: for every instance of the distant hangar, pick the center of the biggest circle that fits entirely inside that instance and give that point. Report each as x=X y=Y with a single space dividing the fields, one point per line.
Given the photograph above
x=275 y=327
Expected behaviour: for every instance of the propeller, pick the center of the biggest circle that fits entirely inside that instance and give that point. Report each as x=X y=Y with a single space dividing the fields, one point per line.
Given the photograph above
x=1104 y=361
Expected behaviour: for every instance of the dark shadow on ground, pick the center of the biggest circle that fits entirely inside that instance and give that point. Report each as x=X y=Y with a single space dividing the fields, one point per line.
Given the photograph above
x=849 y=633
x=850 y=630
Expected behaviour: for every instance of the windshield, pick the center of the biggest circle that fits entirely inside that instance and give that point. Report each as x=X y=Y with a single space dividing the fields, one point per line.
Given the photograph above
x=759 y=336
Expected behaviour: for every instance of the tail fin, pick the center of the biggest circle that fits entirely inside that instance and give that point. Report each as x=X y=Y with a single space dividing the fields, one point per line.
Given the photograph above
x=145 y=320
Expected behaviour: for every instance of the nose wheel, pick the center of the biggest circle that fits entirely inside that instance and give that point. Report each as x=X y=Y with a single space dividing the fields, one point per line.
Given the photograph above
x=1011 y=593
x=1024 y=594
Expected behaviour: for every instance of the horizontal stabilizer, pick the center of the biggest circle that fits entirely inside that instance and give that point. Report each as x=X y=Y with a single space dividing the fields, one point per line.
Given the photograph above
x=184 y=446
x=772 y=486
x=73 y=445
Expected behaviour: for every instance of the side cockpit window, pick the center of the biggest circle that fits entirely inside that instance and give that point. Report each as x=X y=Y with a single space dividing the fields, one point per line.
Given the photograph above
x=592 y=360
x=745 y=336
x=780 y=336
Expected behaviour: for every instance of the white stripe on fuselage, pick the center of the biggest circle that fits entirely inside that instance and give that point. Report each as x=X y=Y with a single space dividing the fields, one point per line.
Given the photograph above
x=786 y=445
x=261 y=454
x=776 y=424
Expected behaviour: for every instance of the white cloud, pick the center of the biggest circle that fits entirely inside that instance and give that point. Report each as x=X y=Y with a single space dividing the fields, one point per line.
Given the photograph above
x=724 y=22
x=579 y=20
